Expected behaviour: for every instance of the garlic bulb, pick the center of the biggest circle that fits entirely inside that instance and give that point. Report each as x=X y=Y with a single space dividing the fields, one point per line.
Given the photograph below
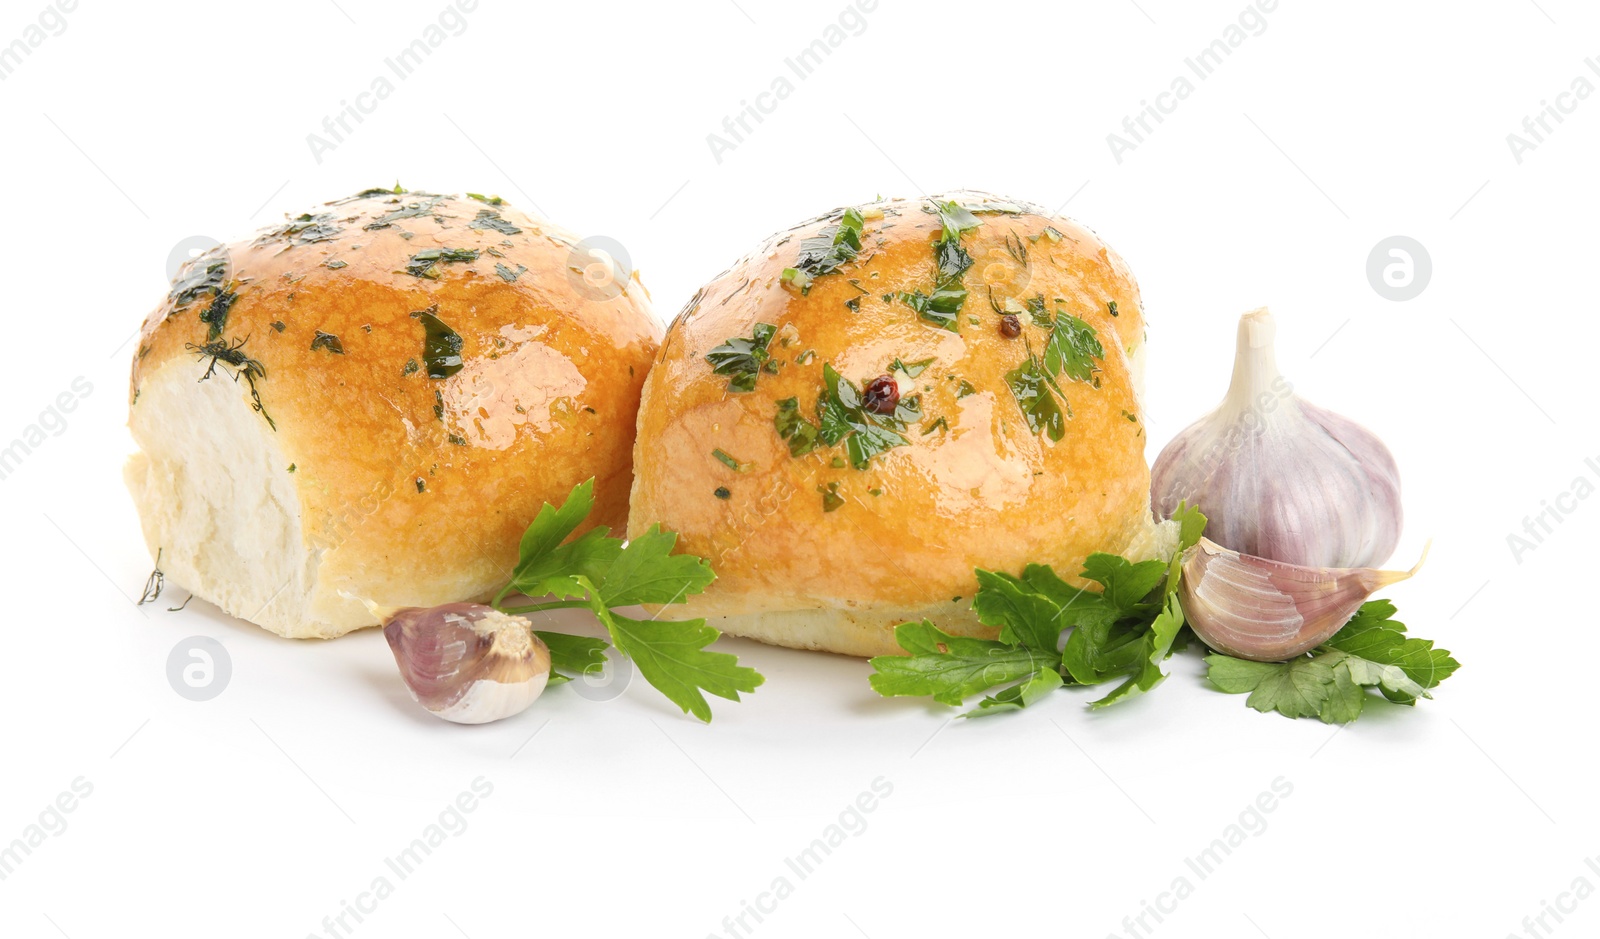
x=1278 y=477
x=467 y=662
x=1268 y=611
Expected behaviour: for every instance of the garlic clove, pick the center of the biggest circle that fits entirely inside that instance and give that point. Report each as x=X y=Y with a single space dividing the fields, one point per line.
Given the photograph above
x=1279 y=477
x=467 y=662
x=1268 y=611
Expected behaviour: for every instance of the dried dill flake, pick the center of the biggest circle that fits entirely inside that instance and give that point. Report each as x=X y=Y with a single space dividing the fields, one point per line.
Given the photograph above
x=327 y=341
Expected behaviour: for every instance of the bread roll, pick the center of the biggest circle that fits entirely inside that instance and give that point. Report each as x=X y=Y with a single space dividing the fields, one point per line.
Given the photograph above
x=827 y=550
x=371 y=402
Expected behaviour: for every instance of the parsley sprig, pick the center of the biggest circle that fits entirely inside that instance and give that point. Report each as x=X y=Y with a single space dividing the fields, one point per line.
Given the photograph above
x=601 y=573
x=1126 y=629
x=1332 y=683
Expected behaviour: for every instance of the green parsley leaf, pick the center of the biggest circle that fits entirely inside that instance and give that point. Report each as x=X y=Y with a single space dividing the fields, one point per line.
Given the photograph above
x=601 y=573
x=826 y=251
x=1371 y=651
x=801 y=433
x=950 y=668
x=1072 y=348
x=572 y=654
x=741 y=359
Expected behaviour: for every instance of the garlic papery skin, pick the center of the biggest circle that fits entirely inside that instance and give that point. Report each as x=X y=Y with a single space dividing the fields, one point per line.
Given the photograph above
x=1268 y=611
x=467 y=662
x=1278 y=477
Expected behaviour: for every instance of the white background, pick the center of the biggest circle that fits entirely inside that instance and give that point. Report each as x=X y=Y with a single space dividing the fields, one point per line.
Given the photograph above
x=266 y=809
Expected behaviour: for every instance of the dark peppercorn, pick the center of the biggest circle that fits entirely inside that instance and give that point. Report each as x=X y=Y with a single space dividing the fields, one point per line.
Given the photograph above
x=881 y=396
x=1010 y=326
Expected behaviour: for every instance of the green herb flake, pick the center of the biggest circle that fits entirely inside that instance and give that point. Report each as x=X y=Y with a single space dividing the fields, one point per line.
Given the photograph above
x=830 y=497
x=215 y=316
x=279 y=326
x=334 y=264
x=912 y=369
x=507 y=274
x=1112 y=308
x=327 y=341
x=422 y=263
x=491 y=200
x=490 y=219
x=825 y=252
x=441 y=345
x=799 y=432
x=721 y=492
x=741 y=359
x=940 y=424
x=729 y=461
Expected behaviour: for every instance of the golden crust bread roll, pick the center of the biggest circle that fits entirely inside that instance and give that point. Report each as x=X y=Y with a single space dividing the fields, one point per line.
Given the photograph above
x=833 y=514
x=371 y=401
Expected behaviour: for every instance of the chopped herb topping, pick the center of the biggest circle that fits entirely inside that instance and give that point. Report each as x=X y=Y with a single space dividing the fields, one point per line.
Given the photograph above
x=303 y=229
x=964 y=388
x=327 y=341
x=441 y=345
x=421 y=263
x=912 y=369
x=196 y=278
x=291 y=467
x=721 y=492
x=741 y=359
x=489 y=218
x=806 y=357
x=826 y=251
x=951 y=261
x=491 y=200
x=830 y=497
x=418 y=208
x=1032 y=386
x=216 y=315
x=1072 y=348
x=457 y=439
x=411 y=367
x=398 y=190
x=801 y=433
x=1112 y=308
x=940 y=424
x=278 y=325
x=334 y=264
x=730 y=462
x=507 y=274
x=421 y=485
x=233 y=355
x=853 y=304
x=844 y=418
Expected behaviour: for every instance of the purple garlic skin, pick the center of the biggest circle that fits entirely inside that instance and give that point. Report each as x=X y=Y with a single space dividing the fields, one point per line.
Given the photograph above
x=467 y=662
x=1278 y=477
x=1269 y=611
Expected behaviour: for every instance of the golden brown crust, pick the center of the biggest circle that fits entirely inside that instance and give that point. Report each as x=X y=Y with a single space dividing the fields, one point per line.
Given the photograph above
x=983 y=491
x=413 y=487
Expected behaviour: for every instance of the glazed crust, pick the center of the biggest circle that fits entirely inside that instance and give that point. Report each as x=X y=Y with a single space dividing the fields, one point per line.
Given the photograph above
x=413 y=489
x=981 y=491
